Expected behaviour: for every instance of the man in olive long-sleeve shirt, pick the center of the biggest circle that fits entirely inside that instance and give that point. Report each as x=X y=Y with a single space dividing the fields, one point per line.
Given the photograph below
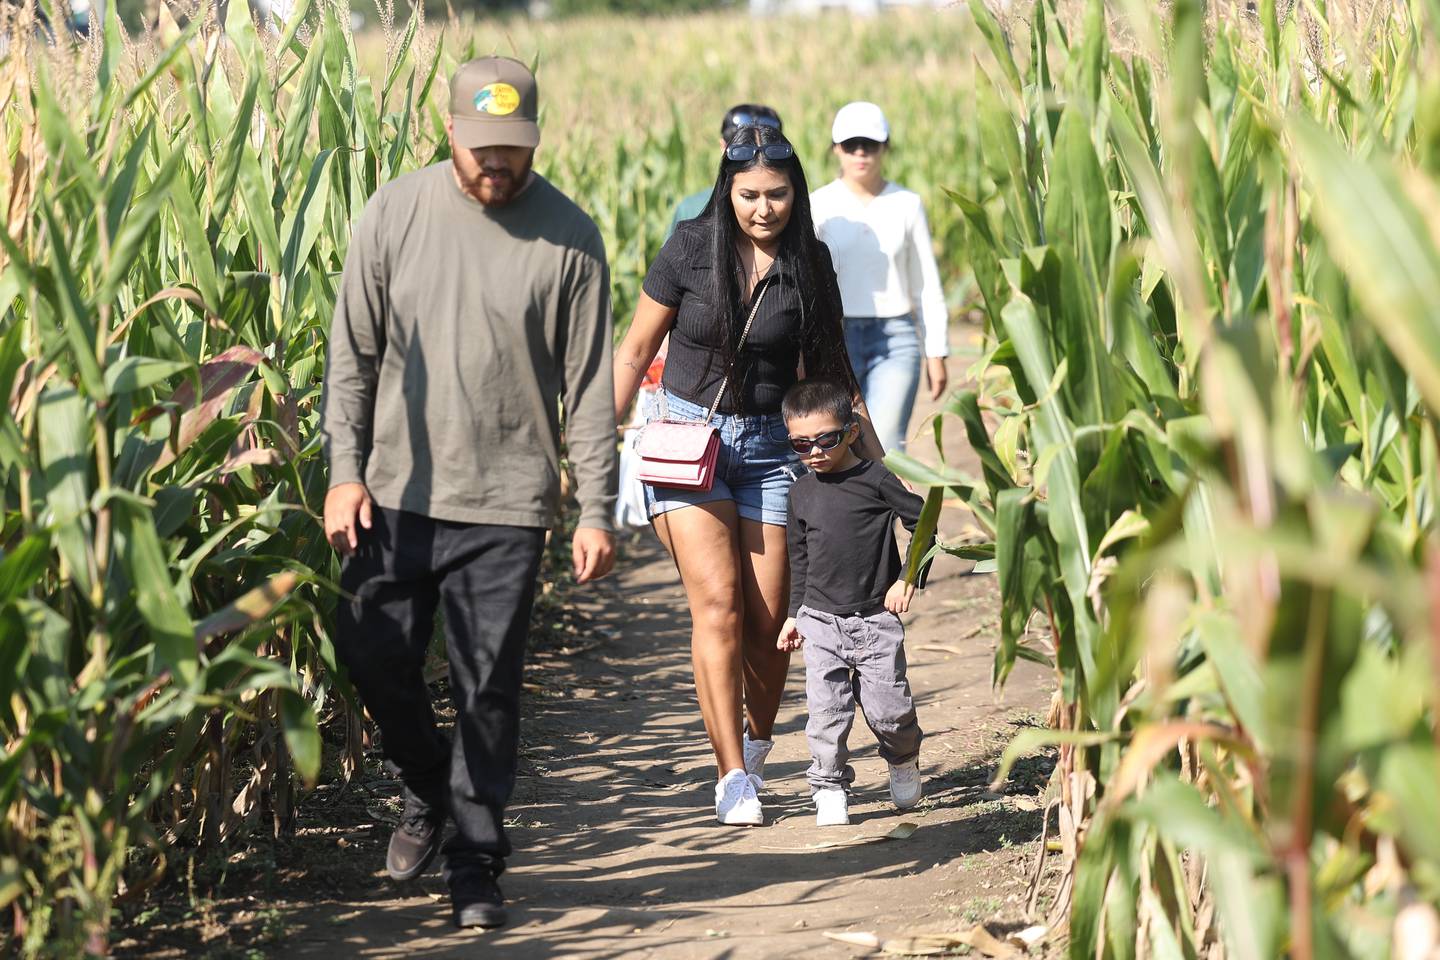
x=474 y=308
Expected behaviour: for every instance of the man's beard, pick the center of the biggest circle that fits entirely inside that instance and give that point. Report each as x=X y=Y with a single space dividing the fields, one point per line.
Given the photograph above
x=499 y=190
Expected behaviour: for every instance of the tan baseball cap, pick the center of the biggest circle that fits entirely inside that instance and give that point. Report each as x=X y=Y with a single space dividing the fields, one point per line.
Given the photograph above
x=494 y=103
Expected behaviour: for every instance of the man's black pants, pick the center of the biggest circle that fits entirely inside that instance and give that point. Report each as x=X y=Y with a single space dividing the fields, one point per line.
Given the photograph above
x=483 y=577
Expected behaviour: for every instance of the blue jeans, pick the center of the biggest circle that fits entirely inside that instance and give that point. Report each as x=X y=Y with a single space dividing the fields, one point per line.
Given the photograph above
x=885 y=354
x=755 y=468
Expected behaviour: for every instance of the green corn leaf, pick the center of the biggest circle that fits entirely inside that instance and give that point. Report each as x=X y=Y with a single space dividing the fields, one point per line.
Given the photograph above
x=998 y=43
x=302 y=735
x=121 y=188
x=199 y=254
x=135 y=237
x=227 y=167
x=302 y=226
x=920 y=549
x=22 y=566
x=64 y=461
x=137 y=373
x=68 y=154
x=1392 y=262
x=155 y=597
x=77 y=325
x=1077 y=210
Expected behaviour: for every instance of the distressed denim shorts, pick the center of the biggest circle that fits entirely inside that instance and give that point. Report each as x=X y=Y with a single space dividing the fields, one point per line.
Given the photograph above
x=755 y=467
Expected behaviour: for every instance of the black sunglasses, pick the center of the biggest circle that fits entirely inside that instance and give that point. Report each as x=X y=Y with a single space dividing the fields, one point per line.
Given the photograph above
x=741 y=118
x=861 y=144
x=828 y=440
x=745 y=152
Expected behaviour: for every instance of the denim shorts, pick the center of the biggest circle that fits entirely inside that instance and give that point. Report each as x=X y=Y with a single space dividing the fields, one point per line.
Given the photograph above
x=755 y=467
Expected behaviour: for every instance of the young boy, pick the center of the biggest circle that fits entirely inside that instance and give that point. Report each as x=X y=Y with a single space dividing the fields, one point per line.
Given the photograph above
x=846 y=590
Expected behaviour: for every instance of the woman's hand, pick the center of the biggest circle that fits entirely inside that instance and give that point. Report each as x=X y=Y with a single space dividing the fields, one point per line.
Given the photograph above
x=936 y=376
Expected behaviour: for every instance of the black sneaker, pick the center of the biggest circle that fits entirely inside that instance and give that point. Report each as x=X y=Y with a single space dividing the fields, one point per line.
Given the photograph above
x=415 y=841
x=477 y=901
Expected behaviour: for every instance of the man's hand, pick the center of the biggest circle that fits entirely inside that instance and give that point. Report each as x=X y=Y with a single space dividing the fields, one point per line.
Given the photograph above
x=789 y=638
x=347 y=508
x=936 y=375
x=593 y=552
x=897 y=598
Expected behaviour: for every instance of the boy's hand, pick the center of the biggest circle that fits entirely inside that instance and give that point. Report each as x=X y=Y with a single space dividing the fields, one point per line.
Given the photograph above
x=790 y=638
x=897 y=598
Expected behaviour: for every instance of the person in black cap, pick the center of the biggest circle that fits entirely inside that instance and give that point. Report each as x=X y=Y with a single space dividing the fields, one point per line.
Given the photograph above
x=740 y=115
x=475 y=301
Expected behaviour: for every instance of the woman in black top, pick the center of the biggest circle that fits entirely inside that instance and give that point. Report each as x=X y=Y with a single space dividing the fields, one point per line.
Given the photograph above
x=755 y=239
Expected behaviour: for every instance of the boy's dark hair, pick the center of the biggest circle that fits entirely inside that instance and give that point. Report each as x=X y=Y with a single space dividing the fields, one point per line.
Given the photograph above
x=818 y=395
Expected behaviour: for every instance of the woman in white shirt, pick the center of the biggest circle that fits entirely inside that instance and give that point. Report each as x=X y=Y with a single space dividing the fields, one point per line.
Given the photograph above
x=880 y=242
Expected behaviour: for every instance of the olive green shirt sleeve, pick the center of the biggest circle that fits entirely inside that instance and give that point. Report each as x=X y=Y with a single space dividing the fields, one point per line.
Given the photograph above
x=357 y=344
x=588 y=392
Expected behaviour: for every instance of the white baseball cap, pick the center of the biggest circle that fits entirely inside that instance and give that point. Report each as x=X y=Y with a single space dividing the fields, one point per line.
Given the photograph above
x=859 y=119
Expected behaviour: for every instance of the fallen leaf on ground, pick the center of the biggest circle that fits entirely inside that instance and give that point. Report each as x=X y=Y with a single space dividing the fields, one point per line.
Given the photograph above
x=854 y=939
x=901 y=831
x=930 y=944
x=941 y=647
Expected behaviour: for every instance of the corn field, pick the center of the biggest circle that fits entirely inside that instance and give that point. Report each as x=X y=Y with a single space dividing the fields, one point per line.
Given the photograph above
x=1208 y=245
x=1205 y=246
x=178 y=210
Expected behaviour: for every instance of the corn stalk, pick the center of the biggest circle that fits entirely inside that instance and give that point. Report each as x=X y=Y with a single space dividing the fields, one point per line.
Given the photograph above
x=1207 y=431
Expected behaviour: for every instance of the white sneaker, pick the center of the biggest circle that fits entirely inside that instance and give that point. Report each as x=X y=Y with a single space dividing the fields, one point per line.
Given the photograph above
x=735 y=801
x=755 y=753
x=832 y=807
x=905 y=784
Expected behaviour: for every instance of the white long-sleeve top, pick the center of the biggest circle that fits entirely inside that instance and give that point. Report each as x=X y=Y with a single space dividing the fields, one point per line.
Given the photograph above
x=883 y=257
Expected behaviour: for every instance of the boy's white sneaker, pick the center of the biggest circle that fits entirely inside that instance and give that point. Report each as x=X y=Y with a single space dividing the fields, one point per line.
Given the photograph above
x=736 y=804
x=905 y=784
x=755 y=753
x=832 y=807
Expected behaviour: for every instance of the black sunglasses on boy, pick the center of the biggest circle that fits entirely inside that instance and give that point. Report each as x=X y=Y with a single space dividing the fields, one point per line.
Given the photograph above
x=745 y=152
x=827 y=441
x=861 y=144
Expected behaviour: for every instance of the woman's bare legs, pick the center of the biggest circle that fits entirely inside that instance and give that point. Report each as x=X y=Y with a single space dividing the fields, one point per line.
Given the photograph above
x=704 y=541
x=765 y=579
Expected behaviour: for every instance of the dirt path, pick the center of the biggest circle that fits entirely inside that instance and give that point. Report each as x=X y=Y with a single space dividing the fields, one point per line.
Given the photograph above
x=617 y=851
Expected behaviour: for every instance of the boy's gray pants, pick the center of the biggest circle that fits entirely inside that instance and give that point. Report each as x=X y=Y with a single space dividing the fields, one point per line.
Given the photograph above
x=849 y=660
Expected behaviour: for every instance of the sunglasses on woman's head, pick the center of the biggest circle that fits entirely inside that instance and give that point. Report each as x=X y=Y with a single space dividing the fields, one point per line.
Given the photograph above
x=745 y=152
x=742 y=119
x=861 y=144
x=827 y=441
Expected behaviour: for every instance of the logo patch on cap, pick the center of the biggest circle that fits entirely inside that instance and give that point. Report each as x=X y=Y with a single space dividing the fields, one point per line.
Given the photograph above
x=497 y=99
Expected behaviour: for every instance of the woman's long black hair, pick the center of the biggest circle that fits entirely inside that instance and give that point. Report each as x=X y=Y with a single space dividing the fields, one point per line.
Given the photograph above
x=802 y=260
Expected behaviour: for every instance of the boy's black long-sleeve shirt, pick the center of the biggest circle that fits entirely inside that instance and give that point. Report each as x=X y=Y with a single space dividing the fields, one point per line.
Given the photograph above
x=841 y=535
